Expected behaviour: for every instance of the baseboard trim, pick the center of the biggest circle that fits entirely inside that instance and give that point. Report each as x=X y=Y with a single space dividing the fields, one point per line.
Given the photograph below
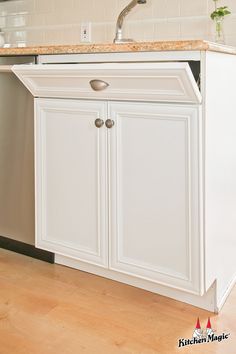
x=226 y=294
x=206 y=302
x=26 y=249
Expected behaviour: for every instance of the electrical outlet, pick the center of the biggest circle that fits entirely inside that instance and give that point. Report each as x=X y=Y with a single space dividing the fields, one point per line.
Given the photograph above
x=86 y=32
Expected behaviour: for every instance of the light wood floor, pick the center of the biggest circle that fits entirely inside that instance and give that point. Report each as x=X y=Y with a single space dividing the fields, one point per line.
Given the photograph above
x=50 y=309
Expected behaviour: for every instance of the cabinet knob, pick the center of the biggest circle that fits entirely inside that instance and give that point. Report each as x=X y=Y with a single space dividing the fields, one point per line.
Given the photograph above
x=109 y=123
x=99 y=123
x=98 y=85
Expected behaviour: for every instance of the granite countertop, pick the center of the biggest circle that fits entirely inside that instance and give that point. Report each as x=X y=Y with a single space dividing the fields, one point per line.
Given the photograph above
x=189 y=45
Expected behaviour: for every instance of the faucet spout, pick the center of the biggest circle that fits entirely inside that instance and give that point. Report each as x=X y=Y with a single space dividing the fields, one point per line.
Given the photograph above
x=119 y=38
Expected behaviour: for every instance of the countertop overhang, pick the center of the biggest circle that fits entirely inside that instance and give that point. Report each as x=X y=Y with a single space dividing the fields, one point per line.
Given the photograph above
x=187 y=45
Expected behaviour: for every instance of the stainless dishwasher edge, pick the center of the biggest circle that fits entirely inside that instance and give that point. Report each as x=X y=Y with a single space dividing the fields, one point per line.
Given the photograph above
x=17 y=217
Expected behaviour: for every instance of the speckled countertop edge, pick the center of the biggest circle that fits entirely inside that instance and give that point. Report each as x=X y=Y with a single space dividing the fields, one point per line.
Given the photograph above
x=189 y=45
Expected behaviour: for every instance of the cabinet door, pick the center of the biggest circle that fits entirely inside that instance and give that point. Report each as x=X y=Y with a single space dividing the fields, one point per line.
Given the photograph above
x=70 y=179
x=154 y=195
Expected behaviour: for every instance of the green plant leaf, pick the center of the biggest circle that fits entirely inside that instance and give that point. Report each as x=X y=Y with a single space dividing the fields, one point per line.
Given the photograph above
x=220 y=12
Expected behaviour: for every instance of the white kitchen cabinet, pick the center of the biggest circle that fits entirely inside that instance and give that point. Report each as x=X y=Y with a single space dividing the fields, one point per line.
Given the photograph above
x=151 y=201
x=71 y=189
x=154 y=193
x=148 y=161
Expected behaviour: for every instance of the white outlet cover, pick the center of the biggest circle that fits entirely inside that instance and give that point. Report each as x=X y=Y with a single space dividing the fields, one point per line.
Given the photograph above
x=85 y=35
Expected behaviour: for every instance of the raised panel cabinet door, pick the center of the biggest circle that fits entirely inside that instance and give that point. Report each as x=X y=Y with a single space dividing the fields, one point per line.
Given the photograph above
x=155 y=193
x=70 y=154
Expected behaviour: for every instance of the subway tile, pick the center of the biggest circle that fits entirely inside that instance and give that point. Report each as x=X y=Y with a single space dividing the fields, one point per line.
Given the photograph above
x=25 y=6
x=37 y=20
x=2 y=21
x=168 y=30
x=186 y=36
x=70 y=35
x=15 y=37
x=166 y=8
x=58 y=18
x=230 y=40
x=20 y=36
x=52 y=36
x=106 y=12
x=53 y=19
x=62 y=6
x=2 y=10
x=195 y=28
x=15 y=20
x=136 y=30
x=100 y=33
x=193 y=8
x=36 y=37
x=8 y=8
x=141 y=32
x=44 y=6
x=76 y=34
x=87 y=11
x=229 y=26
x=8 y=36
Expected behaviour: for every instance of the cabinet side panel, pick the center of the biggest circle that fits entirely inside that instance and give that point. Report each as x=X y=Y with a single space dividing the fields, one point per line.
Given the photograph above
x=220 y=170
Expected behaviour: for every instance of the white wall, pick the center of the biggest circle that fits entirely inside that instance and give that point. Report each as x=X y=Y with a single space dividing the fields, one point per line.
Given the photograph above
x=39 y=22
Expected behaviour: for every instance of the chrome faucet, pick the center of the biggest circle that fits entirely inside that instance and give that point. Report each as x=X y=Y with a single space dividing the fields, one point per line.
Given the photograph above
x=120 y=20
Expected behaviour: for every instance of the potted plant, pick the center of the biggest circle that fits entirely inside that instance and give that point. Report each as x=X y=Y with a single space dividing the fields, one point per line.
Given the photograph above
x=218 y=16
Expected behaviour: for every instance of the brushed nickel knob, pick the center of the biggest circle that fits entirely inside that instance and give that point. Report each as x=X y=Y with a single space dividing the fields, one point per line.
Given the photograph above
x=99 y=123
x=98 y=85
x=109 y=123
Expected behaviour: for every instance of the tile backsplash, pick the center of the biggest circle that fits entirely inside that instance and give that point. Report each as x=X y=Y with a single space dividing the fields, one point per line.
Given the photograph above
x=42 y=22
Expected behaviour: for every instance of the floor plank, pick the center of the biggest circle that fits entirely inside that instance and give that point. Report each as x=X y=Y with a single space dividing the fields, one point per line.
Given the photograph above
x=51 y=309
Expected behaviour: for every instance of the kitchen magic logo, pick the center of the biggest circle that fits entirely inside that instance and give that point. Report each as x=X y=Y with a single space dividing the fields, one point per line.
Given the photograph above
x=206 y=335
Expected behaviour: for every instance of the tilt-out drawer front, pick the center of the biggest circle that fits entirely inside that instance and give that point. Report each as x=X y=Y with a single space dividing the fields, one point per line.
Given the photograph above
x=157 y=82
